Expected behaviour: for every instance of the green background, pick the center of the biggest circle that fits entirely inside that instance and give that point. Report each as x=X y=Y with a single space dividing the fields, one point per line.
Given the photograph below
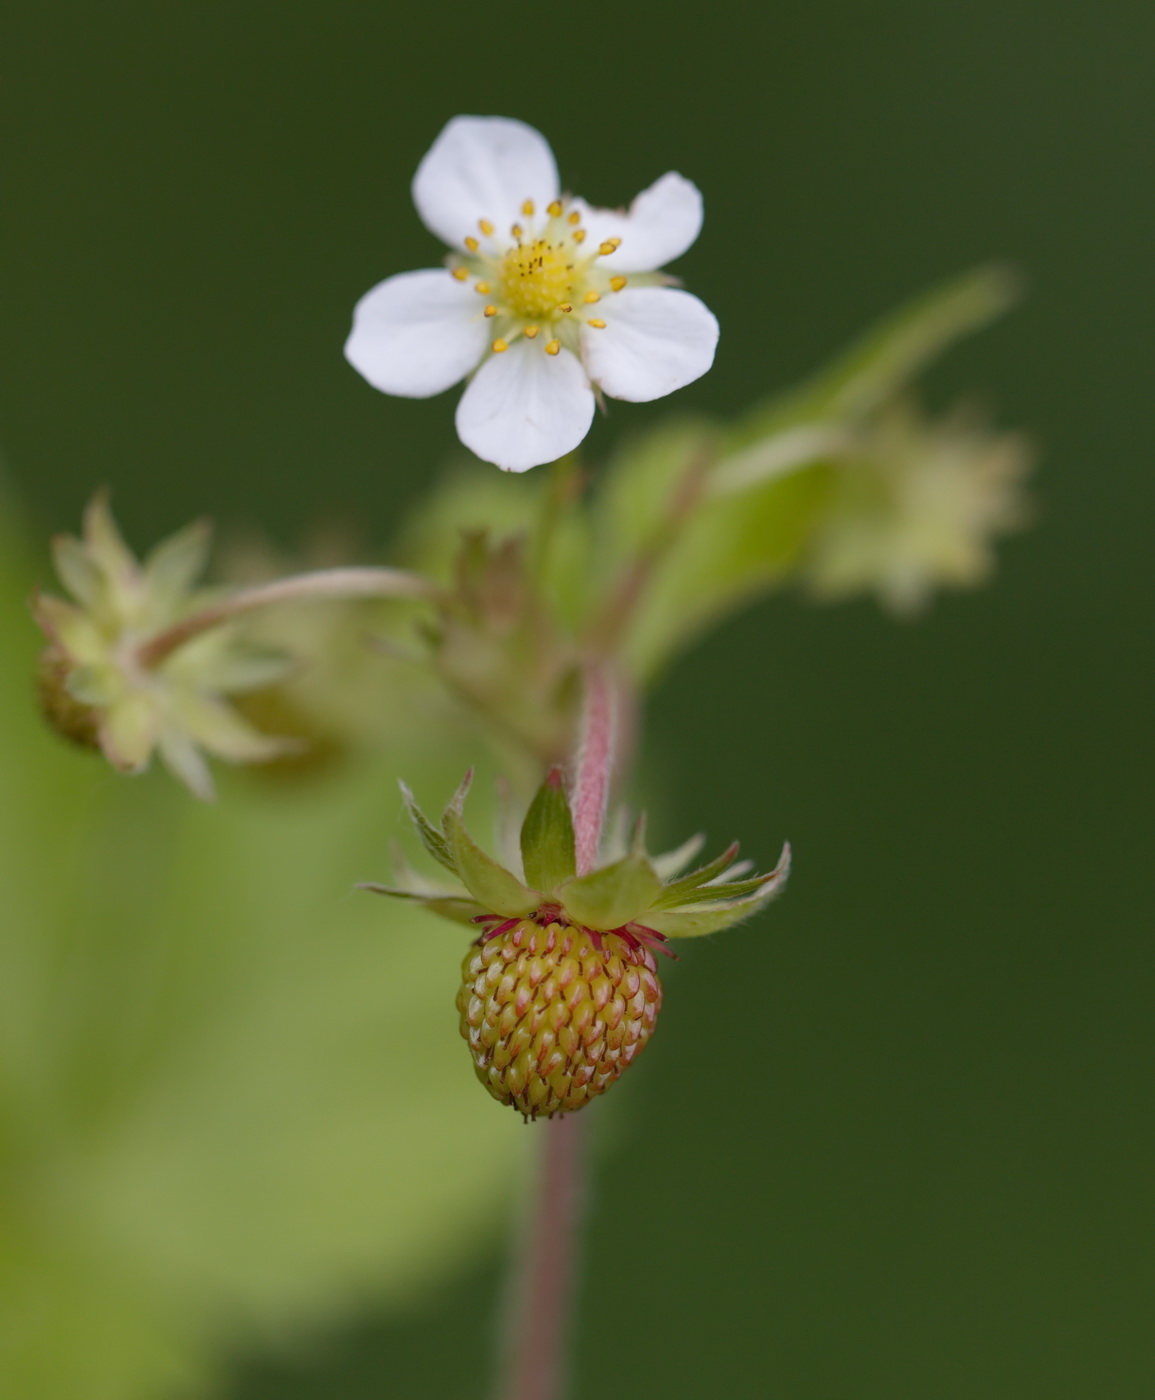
x=895 y=1138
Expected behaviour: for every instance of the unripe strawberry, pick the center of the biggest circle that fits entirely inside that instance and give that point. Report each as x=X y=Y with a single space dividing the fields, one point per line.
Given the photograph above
x=554 y=1014
x=560 y=992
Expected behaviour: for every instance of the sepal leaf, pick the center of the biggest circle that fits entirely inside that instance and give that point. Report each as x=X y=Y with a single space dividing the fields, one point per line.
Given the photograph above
x=713 y=917
x=432 y=839
x=614 y=895
x=547 y=837
x=494 y=887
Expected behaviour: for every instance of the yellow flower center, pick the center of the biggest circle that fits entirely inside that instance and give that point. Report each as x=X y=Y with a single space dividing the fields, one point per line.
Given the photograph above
x=545 y=277
x=537 y=277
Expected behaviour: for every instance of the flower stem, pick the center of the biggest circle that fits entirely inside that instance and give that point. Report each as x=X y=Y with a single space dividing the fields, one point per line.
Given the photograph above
x=595 y=766
x=323 y=584
x=537 y=1368
x=545 y=1274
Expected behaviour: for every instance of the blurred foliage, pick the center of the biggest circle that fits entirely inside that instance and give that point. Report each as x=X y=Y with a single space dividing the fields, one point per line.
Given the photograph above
x=232 y=1091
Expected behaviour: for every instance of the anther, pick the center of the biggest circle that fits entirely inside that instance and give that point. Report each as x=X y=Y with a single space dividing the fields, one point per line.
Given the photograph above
x=499 y=346
x=491 y=310
x=517 y=231
x=579 y=235
x=527 y=208
x=591 y=297
x=483 y=288
x=575 y=217
x=553 y=209
x=461 y=273
x=531 y=332
x=472 y=244
x=485 y=226
x=565 y=307
x=617 y=283
x=598 y=324
x=552 y=347
x=606 y=248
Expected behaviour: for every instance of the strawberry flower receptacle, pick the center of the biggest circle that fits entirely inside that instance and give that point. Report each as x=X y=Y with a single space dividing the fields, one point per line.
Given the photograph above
x=560 y=989
x=545 y=299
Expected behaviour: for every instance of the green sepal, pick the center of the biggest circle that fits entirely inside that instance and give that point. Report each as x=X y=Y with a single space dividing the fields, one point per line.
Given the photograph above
x=547 y=838
x=494 y=887
x=680 y=890
x=459 y=910
x=614 y=895
x=706 y=894
x=431 y=838
x=692 y=923
x=670 y=863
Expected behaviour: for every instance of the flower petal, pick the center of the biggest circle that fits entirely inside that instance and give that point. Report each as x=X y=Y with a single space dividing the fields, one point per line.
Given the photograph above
x=656 y=340
x=482 y=168
x=658 y=227
x=524 y=407
x=417 y=334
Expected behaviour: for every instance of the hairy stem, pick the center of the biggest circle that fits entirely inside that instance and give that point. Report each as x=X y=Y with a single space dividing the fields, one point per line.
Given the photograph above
x=324 y=584
x=595 y=766
x=538 y=1367
x=546 y=1272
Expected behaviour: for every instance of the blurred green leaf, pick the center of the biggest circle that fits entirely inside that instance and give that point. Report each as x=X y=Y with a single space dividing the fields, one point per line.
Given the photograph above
x=210 y=1121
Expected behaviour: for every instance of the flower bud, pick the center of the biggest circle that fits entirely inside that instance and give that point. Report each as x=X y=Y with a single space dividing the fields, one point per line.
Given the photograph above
x=71 y=718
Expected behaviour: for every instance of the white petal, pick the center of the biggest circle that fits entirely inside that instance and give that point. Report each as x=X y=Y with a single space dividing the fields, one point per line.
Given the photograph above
x=658 y=227
x=656 y=340
x=524 y=407
x=482 y=168
x=417 y=334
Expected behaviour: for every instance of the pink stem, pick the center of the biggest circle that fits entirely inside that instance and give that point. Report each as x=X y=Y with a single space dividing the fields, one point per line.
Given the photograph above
x=594 y=768
x=546 y=1273
x=324 y=584
x=538 y=1368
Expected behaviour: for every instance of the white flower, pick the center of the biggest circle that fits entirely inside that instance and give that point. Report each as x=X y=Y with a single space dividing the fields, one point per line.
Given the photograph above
x=545 y=297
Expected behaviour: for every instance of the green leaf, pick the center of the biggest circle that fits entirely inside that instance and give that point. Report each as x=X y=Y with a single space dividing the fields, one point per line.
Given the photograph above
x=614 y=895
x=547 y=839
x=431 y=838
x=494 y=887
x=889 y=356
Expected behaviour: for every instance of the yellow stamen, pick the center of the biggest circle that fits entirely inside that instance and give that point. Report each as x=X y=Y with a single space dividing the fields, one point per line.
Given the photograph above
x=485 y=226
x=617 y=283
x=579 y=235
x=483 y=288
x=499 y=346
x=531 y=332
x=553 y=209
x=491 y=310
x=575 y=217
x=472 y=244
x=591 y=297
x=565 y=307
x=527 y=208
x=552 y=347
x=600 y=325
x=608 y=246
x=461 y=273
x=517 y=230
